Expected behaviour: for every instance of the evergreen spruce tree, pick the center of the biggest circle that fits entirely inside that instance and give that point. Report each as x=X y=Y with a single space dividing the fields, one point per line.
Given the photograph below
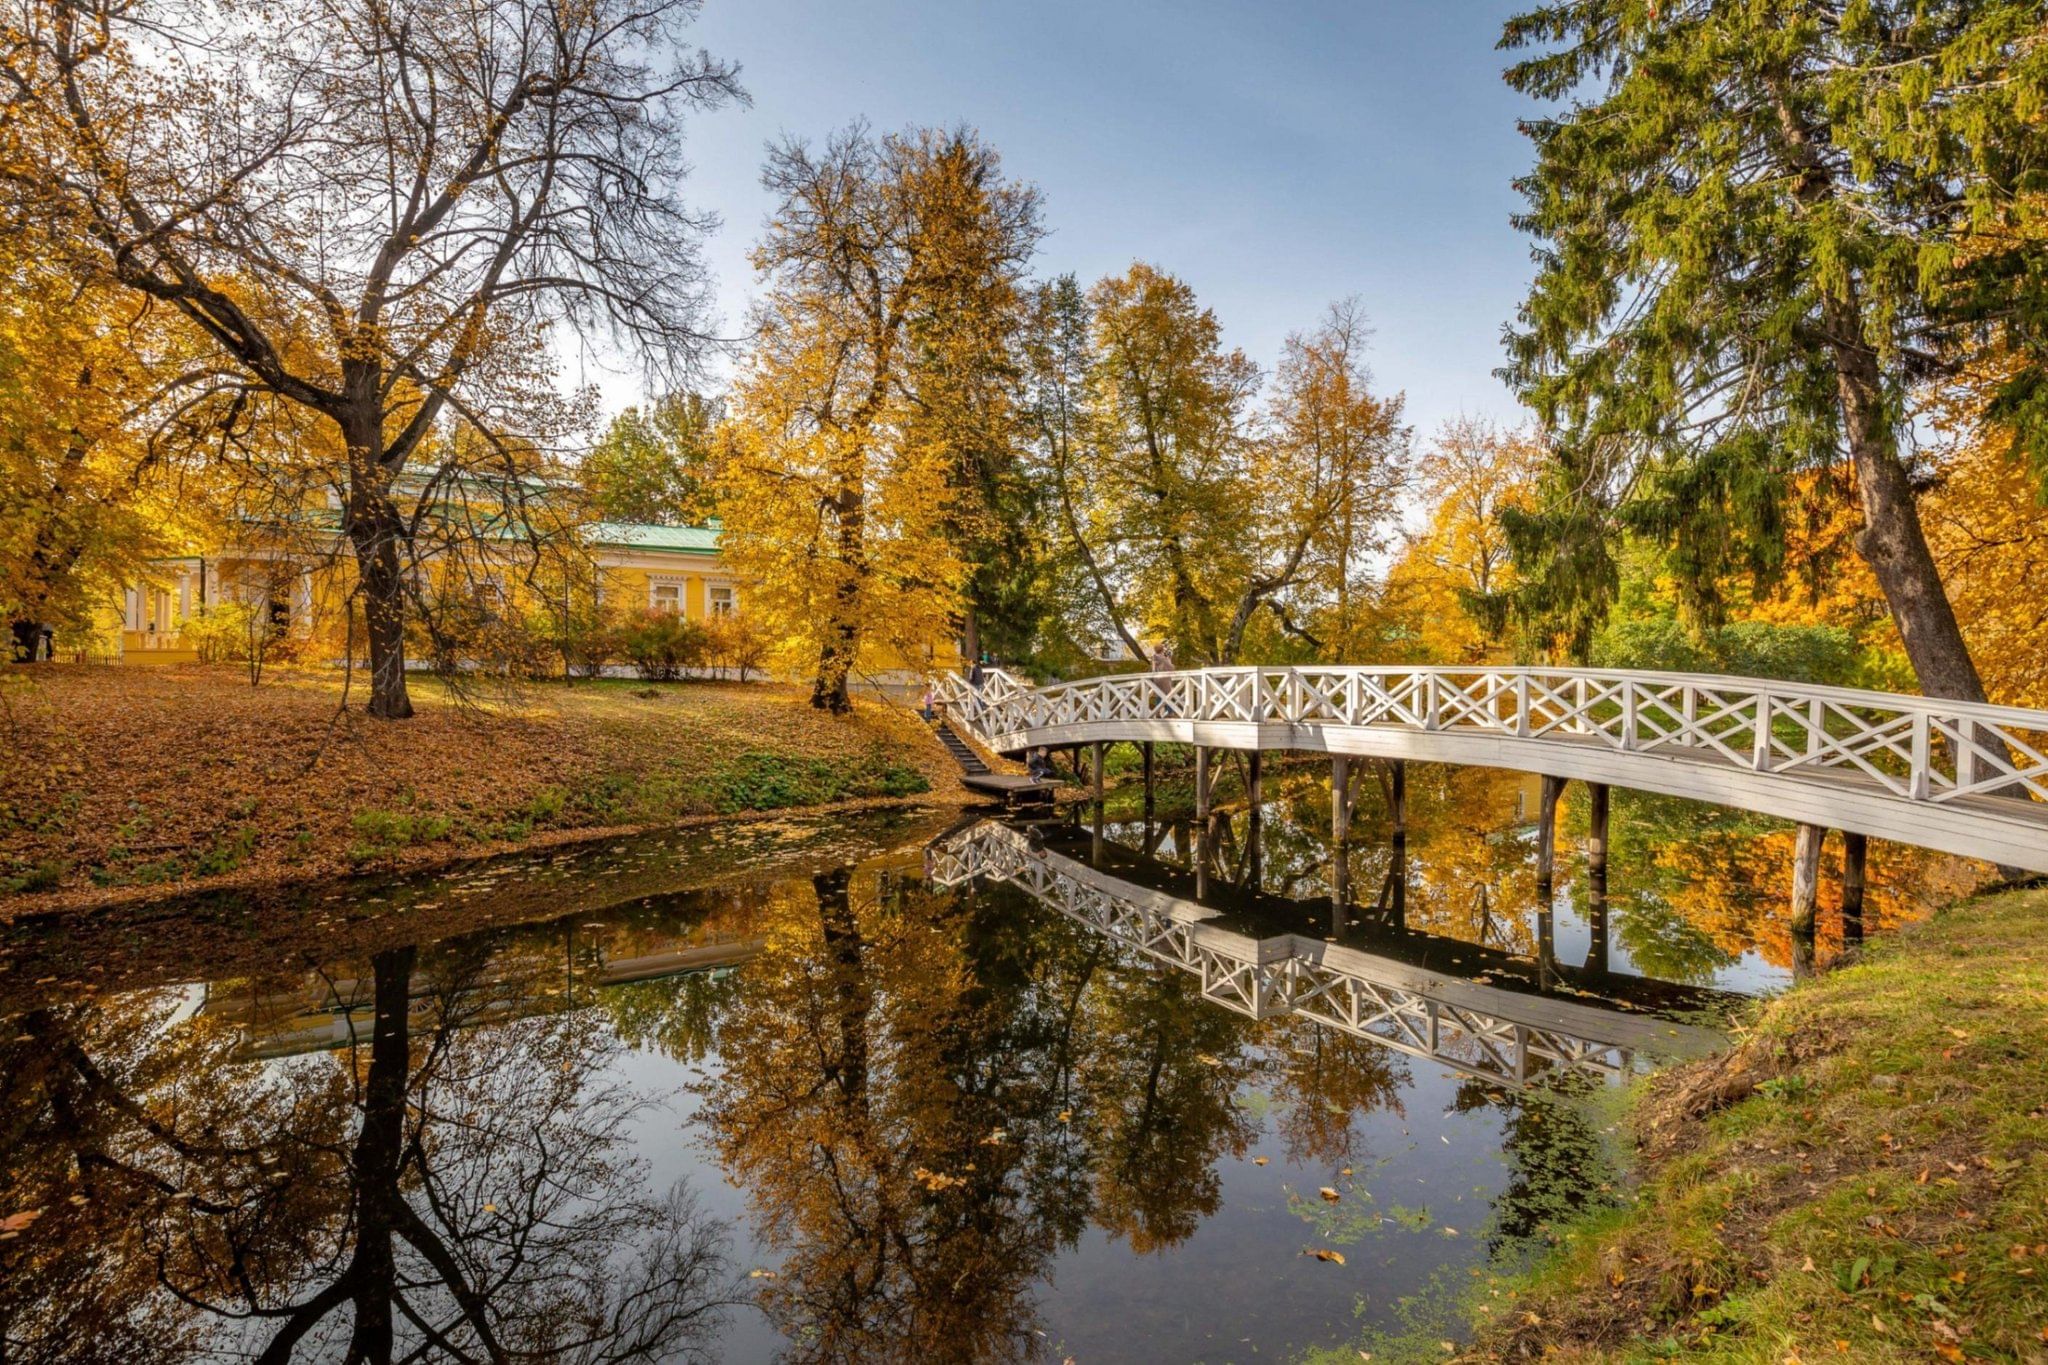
x=1764 y=226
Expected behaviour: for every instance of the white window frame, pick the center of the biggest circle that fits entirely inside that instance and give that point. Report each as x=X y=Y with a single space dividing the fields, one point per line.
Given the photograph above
x=721 y=599
x=657 y=586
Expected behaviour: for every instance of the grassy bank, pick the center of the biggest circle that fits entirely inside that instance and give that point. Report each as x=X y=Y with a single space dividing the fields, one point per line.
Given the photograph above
x=1863 y=1177
x=126 y=778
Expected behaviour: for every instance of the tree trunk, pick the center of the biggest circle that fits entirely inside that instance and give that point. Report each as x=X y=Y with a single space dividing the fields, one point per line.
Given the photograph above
x=374 y=534
x=1892 y=541
x=842 y=633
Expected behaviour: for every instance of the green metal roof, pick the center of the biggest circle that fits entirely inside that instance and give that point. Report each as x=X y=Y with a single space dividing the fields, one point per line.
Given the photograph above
x=634 y=535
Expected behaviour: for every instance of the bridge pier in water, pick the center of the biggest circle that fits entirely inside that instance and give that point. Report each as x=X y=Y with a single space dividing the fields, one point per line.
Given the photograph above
x=1340 y=837
x=1546 y=835
x=1855 y=851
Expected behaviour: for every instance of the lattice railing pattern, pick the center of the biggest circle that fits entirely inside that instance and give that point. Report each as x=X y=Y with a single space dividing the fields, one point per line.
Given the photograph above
x=1284 y=974
x=1913 y=747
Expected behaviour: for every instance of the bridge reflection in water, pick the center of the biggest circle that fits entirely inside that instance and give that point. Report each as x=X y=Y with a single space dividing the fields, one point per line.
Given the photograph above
x=1496 y=1017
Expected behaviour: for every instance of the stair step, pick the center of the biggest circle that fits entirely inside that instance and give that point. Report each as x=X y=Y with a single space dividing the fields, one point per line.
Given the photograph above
x=963 y=753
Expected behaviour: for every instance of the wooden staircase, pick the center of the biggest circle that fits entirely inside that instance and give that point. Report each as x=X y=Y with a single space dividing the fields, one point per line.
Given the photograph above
x=1016 y=793
x=963 y=753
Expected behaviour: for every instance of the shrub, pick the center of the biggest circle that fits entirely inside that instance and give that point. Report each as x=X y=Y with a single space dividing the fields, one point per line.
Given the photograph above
x=661 y=645
x=587 y=636
x=735 y=645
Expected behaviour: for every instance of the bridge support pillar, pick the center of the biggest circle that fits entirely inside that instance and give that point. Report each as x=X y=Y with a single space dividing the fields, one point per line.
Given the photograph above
x=1806 y=879
x=1145 y=751
x=1095 y=767
x=1546 y=834
x=1202 y=776
x=1397 y=799
x=1596 y=838
x=1855 y=852
x=1340 y=798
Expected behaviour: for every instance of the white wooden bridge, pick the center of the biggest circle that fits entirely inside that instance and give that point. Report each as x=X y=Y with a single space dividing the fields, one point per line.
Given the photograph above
x=1503 y=1036
x=1960 y=778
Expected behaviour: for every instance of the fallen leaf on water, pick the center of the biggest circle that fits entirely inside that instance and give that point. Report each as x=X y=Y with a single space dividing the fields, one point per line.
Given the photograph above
x=761 y=1275
x=1208 y=1059
x=1258 y=1161
x=1329 y=1195
x=1325 y=1254
x=14 y=1224
x=1450 y=1231
x=1065 y=1115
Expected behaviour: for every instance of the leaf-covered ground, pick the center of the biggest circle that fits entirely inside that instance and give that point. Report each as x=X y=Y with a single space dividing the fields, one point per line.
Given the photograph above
x=122 y=781
x=1863 y=1178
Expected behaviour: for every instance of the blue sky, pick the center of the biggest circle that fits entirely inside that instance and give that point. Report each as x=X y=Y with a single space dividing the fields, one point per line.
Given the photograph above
x=1277 y=156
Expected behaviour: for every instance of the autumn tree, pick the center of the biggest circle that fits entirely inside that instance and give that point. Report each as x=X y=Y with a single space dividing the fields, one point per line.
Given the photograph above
x=372 y=211
x=892 y=266
x=1453 y=577
x=84 y=375
x=1325 y=476
x=1189 y=512
x=651 y=463
x=1759 y=227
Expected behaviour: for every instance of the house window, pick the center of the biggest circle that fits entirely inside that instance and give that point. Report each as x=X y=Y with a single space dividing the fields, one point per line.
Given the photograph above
x=666 y=598
x=721 y=600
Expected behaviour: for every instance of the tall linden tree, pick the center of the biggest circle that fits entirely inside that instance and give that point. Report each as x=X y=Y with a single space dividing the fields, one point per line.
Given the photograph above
x=1764 y=231
x=893 y=268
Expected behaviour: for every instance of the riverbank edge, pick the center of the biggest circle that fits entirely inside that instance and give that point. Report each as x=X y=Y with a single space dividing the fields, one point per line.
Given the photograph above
x=1862 y=1175
x=429 y=860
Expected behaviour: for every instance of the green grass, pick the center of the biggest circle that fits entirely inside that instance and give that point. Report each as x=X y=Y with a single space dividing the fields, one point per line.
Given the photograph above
x=380 y=833
x=1876 y=1191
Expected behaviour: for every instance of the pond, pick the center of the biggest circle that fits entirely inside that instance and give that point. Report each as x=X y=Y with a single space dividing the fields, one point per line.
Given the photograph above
x=900 y=1086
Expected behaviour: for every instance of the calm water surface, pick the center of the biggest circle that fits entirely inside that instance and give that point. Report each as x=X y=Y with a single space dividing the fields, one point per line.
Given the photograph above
x=896 y=1087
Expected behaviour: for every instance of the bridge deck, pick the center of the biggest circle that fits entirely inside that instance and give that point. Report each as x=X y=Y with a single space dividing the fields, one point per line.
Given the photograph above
x=1960 y=778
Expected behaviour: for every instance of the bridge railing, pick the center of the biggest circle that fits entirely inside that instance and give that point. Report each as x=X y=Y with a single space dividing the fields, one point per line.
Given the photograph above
x=1919 y=748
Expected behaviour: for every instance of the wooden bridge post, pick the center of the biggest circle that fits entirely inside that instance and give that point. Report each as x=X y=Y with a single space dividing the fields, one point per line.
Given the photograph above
x=1806 y=879
x=1145 y=751
x=1201 y=784
x=1546 y=834
x=1254 y=782
x=1340 y=798
x=1397 y=879
x=1095 y=776
x=1397 y=802
x=1596 y=838
x=1855 y=852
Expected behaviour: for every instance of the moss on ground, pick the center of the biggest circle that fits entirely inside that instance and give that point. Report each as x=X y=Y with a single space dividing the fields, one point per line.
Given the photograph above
x=1864 y=1177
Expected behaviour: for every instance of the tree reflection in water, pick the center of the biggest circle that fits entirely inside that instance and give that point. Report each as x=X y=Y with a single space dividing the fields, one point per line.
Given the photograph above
x=430 y=1190
x=925 y=1098
x=928 y=1096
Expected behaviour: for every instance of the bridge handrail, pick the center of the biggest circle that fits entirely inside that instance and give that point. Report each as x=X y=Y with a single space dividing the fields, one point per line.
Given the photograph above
x=1919 y=748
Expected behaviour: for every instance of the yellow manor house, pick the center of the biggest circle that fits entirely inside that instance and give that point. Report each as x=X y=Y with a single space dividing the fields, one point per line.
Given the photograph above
x=674 y=569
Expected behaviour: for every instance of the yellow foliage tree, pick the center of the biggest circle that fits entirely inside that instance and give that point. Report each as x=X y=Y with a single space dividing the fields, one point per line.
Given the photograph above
x=892 y=266
x=1469 y=475
x=82 y=376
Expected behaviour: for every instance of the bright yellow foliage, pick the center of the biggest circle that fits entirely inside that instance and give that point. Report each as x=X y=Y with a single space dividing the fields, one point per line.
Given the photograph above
x=892 y=270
